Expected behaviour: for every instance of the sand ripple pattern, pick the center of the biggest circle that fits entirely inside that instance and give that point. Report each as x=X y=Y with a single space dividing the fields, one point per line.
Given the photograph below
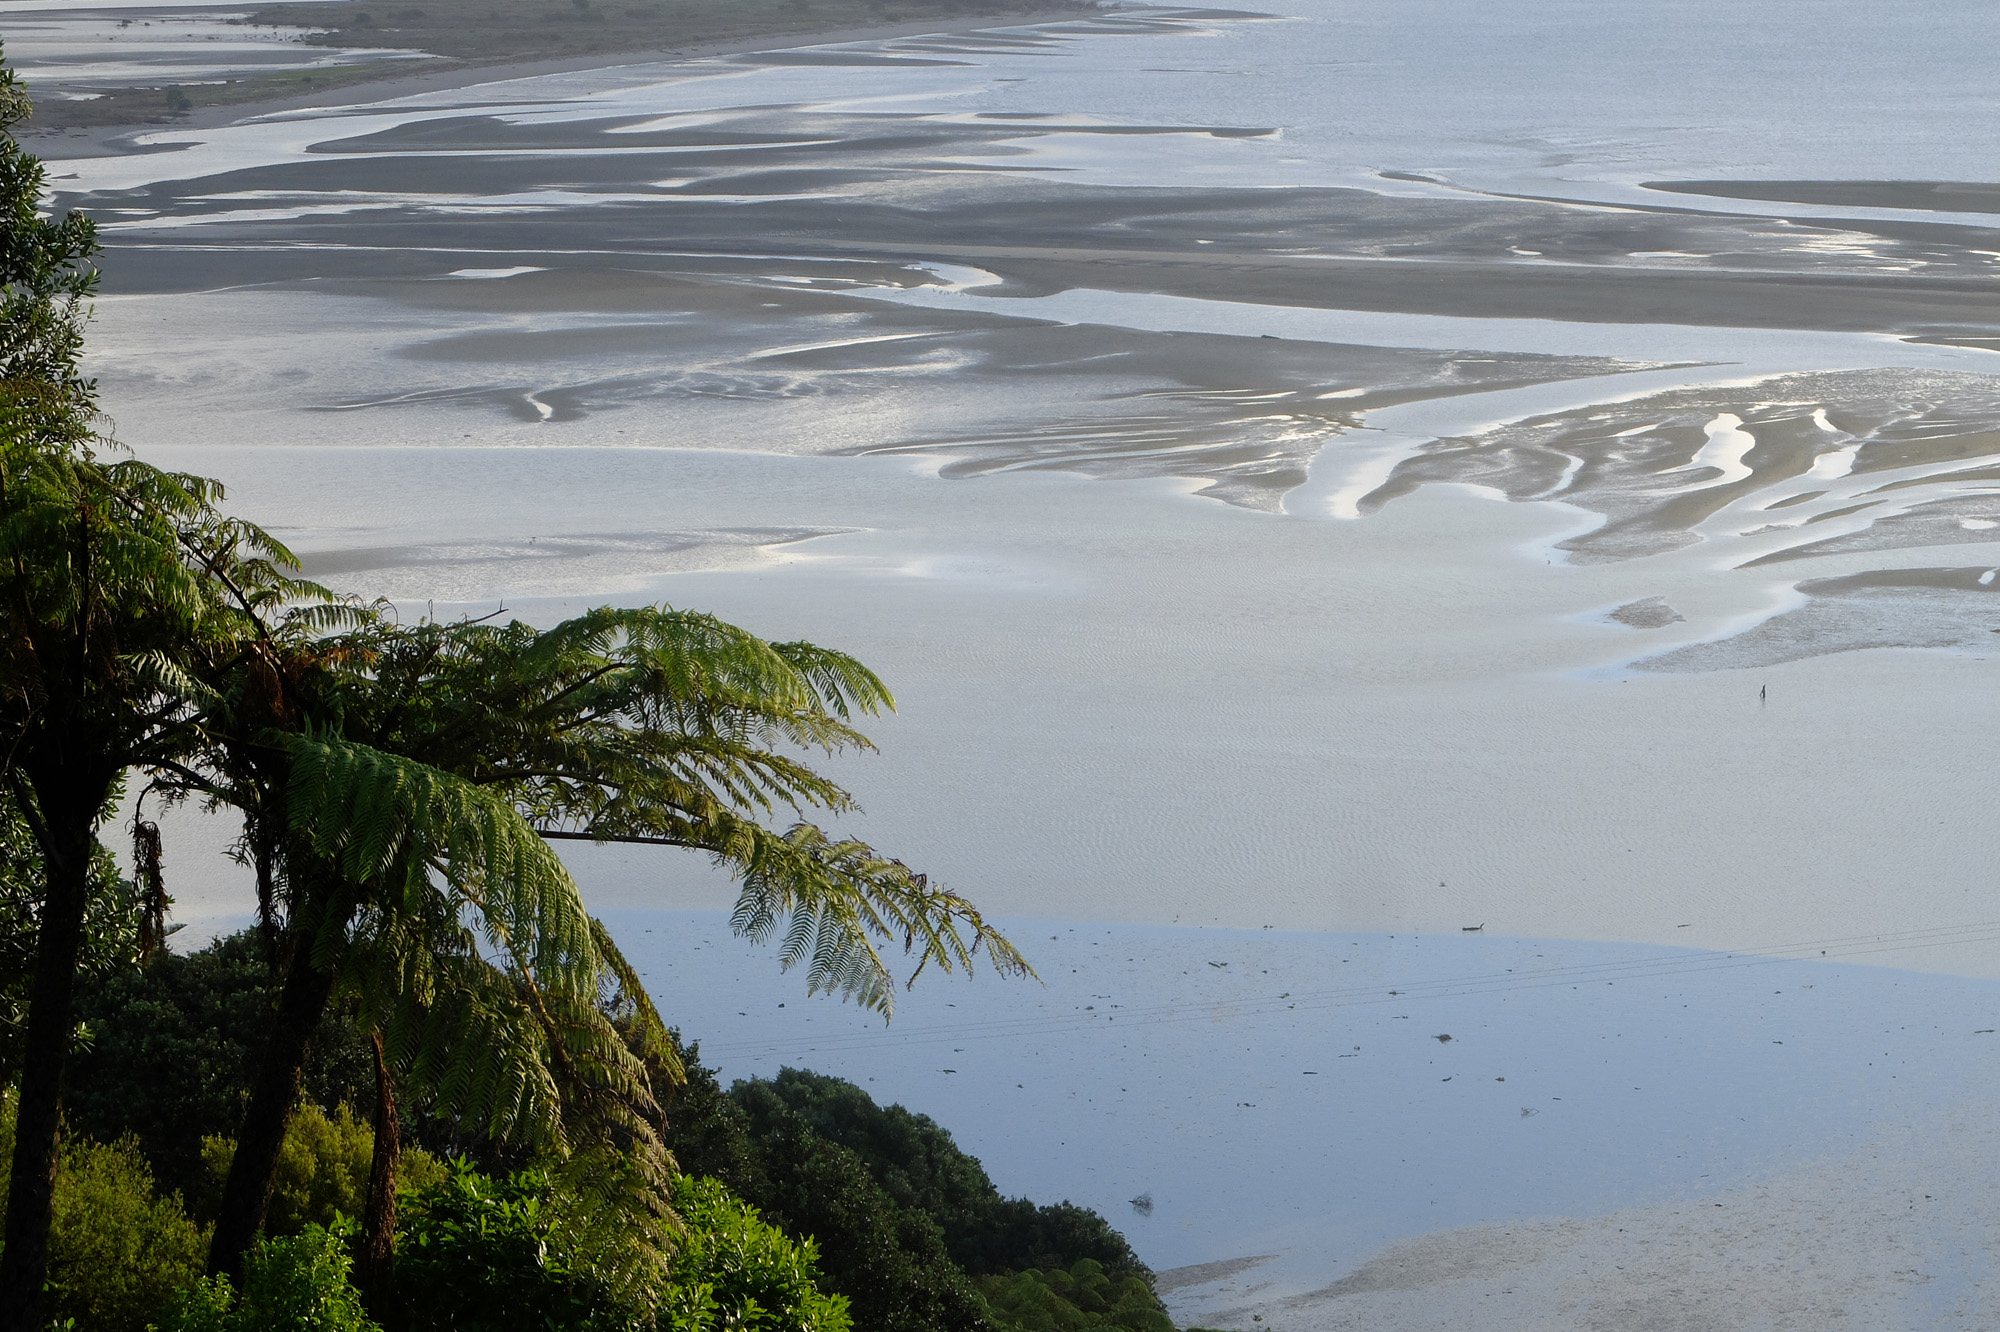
x=1781 y=469
x=1844 y=474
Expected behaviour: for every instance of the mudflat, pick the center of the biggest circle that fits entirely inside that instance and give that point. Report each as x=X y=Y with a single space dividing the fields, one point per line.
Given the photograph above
x=1332 y=472
x=458 y=42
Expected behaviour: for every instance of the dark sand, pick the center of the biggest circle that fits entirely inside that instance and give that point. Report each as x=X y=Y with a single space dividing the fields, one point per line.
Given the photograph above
x=1930 y=196
x=726 y=265
x=370 y=85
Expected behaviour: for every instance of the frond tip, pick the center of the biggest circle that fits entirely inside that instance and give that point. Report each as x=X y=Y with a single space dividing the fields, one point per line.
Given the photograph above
x=839 y=900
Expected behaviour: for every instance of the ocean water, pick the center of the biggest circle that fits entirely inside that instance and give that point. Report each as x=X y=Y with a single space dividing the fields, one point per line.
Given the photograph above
x=1364 y=470
x=1306 y=1100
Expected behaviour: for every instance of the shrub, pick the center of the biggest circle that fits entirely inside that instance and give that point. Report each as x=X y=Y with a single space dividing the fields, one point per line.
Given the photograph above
x=116 y=1251
x=110 y=930
x=477 y=1254
x=322 y=1170
x=301 y=1283
x=172 y=1051
x=916 y=1162
x=1082 y=1297
x=735 y=1271
x=889 y=1261
x=902 y=1215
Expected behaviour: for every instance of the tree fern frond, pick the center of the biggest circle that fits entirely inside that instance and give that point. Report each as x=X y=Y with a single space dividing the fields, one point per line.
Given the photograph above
x=841 y=899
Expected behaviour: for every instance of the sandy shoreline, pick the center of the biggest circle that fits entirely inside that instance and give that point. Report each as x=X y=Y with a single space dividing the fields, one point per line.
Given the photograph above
x=113 y=140
x=1121 y=704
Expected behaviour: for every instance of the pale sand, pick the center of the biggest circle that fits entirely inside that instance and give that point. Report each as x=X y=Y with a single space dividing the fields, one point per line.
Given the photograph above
x=1851 y=1242
x=1122 y=702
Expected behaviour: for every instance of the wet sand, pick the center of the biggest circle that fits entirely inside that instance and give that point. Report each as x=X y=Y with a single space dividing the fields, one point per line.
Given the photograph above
x=1266 y=518
x=386 y=83
x=788 y=339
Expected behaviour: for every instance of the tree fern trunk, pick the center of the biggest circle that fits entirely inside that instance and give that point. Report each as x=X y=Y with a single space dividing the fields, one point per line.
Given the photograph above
x=376 y=1271
x=66 y=847
x=246 y=1195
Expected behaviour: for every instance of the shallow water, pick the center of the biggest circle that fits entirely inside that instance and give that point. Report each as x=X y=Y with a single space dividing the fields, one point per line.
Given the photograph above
x=1387 y=467
x=1294 y=1099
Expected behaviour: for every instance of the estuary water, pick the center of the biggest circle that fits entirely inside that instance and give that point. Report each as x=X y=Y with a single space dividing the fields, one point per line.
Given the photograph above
x=1366 y=469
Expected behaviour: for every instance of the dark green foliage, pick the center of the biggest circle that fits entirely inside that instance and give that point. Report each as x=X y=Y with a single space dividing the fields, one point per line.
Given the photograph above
x=735 y=1271
x=299 y=1284
x=1081 y=1297
x=46 y=274
x=889 y=1261
x=116 y=1247
x=171 y=1056
x=914 y=1160
x=110 y=925
x=477 y=1254
x=920 y=1166
x=706 y=1130
x=901 y=1214
x=1016 y=1235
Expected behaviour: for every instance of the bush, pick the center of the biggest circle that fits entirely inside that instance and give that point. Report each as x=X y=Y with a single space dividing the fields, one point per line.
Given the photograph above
x=322 y=1170
x=902 y=1215
x=916 y=1162
x=301 y=1283
x=116 y=1251
x=735 y=1271
x=110 y=930
x=888 y=1260
x=1082 y=1297
x=478 y=1254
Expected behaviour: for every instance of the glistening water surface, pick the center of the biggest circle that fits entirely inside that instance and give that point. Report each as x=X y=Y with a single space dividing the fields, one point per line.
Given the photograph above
x=1365 y=468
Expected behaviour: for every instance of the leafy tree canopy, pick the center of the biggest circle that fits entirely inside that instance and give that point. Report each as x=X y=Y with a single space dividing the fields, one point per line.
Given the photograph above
x=919 y=1166
x=112 y=922
x=905 y=1219
x=170 y=1055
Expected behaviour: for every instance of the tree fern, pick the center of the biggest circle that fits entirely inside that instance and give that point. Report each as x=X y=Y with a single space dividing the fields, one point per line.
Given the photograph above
x=400 y=784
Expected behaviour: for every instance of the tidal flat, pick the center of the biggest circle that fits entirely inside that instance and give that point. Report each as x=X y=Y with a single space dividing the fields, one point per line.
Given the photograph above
x=1361 y=470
